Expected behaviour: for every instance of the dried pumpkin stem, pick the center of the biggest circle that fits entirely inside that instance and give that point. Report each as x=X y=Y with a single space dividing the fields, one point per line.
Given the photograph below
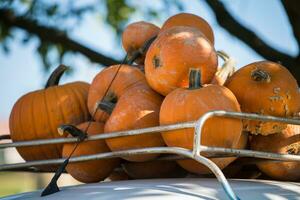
x=194 y=79
x=228 y=68
x=56 y=75
x=72 y=130
x=260 y=76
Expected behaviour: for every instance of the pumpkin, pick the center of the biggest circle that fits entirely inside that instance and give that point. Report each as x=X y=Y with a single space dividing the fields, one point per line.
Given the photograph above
x=188 y=19
x=94 y=170
x=173 y=53
x=137 y=108
x=286 y=142
x=112 y=81
x=190 y=104
x=153 y=169
x=265 y=88
x=37 y=115
x=136 y=35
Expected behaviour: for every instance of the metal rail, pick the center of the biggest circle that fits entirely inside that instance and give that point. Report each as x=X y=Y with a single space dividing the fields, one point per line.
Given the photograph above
x=195 y=153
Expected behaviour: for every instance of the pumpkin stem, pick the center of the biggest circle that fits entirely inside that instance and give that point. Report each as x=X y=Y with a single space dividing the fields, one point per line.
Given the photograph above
x=228 y=67
x=56 y=75
x=141 y=51
x=194 y=79
x=73 y=130
x=108 y=103
x=260 y=76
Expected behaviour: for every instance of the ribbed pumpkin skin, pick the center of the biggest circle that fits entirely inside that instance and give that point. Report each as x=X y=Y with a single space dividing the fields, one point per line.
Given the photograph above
x=188 y=19
x=184 y=105
x=38 y=114
x=173 y=53
x=153 y=169
x=135 y=35
x=285 y=142
x=137 y=108
x=126 y=78
x=278 y=97
x=95 y=170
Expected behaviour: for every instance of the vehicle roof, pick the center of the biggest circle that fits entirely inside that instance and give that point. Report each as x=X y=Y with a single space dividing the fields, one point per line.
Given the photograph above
x=185 y=188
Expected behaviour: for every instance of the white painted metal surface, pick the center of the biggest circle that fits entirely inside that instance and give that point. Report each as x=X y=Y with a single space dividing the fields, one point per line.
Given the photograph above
x=185 y=188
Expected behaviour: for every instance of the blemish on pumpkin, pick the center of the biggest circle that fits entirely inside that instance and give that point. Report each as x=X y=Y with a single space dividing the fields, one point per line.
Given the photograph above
x=272 y=109
x=276 y=98
x=276 y=90
x=288 y=95
x=156 y=62
x=286 y=109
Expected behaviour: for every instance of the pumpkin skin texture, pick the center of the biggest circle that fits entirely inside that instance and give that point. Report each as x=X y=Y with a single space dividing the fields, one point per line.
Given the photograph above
x=136 y=35
x=188 y=19
x=137 y=108
x=286 y=142
x=126 y=78
x=173 y=53
x=153 y=169
x=94 y=170
x=37 y=115
x=265 y=88
x=184 y=105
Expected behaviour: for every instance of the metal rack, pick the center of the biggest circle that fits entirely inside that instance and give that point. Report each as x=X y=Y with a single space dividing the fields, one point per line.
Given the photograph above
x=195 y=153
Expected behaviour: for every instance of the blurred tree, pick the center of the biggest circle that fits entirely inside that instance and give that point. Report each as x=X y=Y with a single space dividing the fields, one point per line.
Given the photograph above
x=39 y=19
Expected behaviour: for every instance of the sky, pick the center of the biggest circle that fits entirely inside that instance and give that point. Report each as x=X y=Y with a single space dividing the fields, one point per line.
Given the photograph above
x=21 y=70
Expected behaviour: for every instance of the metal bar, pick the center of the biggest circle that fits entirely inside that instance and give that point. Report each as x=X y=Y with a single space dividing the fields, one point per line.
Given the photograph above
x=164 y=150
x=251 y=153
x=102 y=136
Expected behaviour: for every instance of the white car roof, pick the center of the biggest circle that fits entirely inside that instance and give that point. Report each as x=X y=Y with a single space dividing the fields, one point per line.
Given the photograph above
x=185 y=188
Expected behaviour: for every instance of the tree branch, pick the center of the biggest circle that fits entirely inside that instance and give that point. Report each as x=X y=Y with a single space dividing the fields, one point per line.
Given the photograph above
x=229 y=23
x=53 y=35
x=292 y=10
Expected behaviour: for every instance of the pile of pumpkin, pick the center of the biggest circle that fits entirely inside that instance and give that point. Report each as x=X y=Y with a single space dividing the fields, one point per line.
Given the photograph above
x=176 y=80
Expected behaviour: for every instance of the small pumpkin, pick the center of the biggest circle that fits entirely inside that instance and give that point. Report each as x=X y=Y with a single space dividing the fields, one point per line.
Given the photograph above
x=286 y=142
x=265 y=88
x=188 y=19
x=136 y=35
x=37 y=114
x=137 y=108
x=153 y=169
x=113 y=81
x=94 y=170
x=173 y=53
x=190 y=104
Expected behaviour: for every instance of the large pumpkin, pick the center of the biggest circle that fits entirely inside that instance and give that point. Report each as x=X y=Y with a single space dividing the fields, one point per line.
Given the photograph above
x=113 y=81
x=136 y=35
x=94 y=170
x=190 y=104
x=188 y=19
x=265 y=88
x=286 y=142
x=173 y=53
x=37 y=115
x=153 y=169
x=137 y=108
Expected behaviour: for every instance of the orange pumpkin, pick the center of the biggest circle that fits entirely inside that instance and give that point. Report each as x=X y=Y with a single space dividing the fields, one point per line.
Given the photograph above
x=265 y=88
x=137 y=108
x=94 y=170
x=173 y=53
x=190 y=104
x=188 y=19
x=125 y=77
x=286 y=142
x=37 y=115
x=153 y=169
x=136 y=35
